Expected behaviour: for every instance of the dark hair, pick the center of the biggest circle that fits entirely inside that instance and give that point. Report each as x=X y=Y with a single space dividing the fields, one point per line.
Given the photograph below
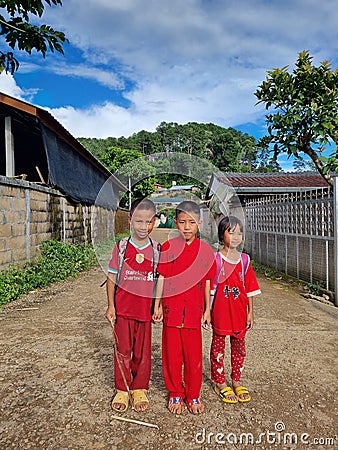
x=142 y=203
x=228 y=223
x=188 y=206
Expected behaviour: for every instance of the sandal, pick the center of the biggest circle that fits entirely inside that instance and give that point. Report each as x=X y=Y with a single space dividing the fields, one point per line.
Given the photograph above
x=139 y=396
x=195 y=401
x=224 y=394
x=240 y=390
x=176 y=401
x=121 y=398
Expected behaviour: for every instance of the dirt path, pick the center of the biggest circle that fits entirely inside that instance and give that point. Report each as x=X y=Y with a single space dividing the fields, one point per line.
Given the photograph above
x=56 y=377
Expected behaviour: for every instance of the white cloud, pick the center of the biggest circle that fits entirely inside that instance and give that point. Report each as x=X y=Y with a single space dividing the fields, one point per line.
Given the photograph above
x=197 y=60
x=8 y=86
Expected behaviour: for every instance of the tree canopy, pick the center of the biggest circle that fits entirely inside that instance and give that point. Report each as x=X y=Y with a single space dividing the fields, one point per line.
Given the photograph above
x=229 y=149
x=19 y=32
x=225 y=148
x=305 y=117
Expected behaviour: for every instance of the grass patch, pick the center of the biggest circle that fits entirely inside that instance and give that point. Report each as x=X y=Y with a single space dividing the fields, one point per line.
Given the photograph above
x=56 y=262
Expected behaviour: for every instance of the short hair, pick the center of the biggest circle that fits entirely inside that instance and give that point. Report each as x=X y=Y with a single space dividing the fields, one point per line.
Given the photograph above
x=188 y=206
x=142 y=203
x=228 y=223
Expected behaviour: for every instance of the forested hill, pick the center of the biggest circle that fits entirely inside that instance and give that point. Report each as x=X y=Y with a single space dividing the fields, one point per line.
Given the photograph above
x=228 y=149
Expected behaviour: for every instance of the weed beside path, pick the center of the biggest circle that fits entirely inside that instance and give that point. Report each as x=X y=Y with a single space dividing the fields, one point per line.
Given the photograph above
x=56 y=377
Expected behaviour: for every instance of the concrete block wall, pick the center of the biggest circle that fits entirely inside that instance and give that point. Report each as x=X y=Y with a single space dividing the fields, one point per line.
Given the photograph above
x=31 y=213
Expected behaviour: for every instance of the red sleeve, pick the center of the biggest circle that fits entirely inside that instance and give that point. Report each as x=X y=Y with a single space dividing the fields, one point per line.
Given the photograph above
x=162 y=268
x=251 y=283
x=113 y=263
x=210 y=256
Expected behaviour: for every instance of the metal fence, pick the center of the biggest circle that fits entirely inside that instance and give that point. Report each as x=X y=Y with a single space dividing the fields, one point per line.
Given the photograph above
x=294 y=233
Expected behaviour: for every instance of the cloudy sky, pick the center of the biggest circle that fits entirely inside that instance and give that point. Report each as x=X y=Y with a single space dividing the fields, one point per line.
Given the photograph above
x=132 y=64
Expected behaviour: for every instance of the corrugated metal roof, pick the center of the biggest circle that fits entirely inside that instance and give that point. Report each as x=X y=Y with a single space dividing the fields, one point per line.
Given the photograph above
x=289 y=179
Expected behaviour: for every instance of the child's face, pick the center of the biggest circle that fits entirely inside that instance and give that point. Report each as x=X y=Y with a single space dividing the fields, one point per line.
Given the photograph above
x=233 y=238
x=187 y=224
x=141 y=222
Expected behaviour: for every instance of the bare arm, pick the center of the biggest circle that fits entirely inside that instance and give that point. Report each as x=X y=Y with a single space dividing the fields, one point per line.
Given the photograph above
x=250 y=314
x=158 y=313
x=206 y=319
x=110 y=313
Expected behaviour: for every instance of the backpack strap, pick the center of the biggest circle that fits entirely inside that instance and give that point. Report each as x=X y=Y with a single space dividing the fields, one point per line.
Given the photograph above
x=218 y=261
x=245 y=260
x=156 y=247
x=122 y=248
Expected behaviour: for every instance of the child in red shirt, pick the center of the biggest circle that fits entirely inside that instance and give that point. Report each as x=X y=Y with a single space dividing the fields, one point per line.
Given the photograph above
x=130 y=286
x=232 y=311
x=185 y=271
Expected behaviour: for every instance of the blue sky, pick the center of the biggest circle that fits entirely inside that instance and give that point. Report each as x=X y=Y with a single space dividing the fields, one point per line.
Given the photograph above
x=132 y=64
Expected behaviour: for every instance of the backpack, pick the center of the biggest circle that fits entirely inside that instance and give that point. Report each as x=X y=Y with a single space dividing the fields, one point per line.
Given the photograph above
x=245 y=260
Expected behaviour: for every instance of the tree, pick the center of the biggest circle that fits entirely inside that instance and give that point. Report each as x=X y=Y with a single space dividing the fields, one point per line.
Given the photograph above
x=18 y=31
x=130 y=167
x=306 y=109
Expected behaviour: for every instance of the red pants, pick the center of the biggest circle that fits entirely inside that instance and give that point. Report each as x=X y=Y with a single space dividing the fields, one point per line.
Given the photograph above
x=133 y=340
x=182 y=347
x=217 y=358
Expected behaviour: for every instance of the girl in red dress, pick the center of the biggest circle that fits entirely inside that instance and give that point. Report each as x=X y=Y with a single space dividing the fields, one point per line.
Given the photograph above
x=232 y=310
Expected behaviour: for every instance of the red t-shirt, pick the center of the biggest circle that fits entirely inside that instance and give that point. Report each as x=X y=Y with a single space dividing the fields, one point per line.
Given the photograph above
x=185 y=269
x=135 y=288
x=229 y=310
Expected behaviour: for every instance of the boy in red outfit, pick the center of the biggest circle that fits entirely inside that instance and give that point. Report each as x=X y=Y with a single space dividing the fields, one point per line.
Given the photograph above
x=130 y=284
x=185 y=270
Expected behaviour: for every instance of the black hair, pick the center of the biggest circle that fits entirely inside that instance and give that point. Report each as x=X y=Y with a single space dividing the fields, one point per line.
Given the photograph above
x=142 y=203
x=228 y=223
x=188 y=206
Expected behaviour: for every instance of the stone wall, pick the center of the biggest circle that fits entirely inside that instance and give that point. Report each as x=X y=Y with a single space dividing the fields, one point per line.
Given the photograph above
x=31 y=213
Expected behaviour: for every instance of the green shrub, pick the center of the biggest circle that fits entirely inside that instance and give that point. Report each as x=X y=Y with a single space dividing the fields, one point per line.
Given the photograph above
x=56 y=262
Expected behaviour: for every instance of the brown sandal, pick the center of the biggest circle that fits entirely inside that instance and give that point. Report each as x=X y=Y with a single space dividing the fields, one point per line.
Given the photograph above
x=121 y=398
x=139 y=396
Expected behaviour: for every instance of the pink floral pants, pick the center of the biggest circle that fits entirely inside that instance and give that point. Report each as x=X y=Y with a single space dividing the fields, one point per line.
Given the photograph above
x=217 y=353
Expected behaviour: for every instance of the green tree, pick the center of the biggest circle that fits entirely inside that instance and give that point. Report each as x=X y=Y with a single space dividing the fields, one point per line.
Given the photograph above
x=18 y=31
x=306 y=109
x=130 y=167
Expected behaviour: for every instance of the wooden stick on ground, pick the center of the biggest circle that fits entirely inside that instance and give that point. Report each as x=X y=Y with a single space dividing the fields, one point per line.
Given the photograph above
x=124 y=419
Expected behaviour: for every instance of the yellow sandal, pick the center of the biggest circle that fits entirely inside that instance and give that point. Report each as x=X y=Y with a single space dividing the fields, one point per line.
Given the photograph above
x=224 y=393
x=139 y=396
x=121 y=398
x=241 y=390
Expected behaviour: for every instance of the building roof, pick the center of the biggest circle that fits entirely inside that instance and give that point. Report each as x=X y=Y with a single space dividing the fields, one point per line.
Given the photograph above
x=288 y=179
x=41 y=145
x=248 y=184
x=47 y=119
x=167 y=200
x=186 y=187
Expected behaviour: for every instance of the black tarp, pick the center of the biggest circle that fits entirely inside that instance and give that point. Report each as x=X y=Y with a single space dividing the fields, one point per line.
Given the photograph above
x=73 y=175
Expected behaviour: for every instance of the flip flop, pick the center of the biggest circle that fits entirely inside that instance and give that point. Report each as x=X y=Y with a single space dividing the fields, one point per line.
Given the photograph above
x=224 y=393
x=176 y=401
x=240 y=390
x=139 y=396
x=122 y=398
x=194 y=401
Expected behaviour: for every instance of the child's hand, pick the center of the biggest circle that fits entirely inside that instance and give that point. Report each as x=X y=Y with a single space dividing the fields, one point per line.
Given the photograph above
x=249 y=320
x=206 y=320
x=158 y=313
x=110 y=314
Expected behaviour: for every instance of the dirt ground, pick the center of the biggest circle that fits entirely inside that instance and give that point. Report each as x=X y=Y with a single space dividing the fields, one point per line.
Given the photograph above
x=56 y=378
